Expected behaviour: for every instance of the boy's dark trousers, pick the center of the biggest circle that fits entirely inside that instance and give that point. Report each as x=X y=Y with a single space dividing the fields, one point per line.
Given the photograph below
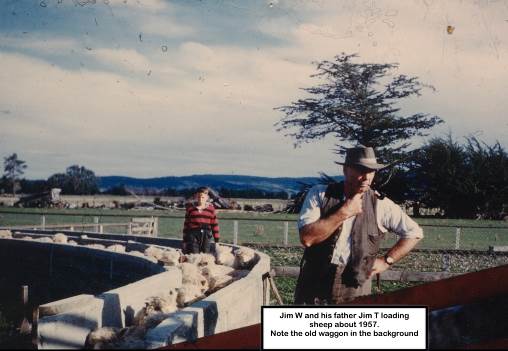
x=196 y=241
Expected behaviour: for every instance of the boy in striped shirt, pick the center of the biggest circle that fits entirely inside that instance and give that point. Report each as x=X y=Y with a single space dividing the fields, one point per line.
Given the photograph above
x=200 y=224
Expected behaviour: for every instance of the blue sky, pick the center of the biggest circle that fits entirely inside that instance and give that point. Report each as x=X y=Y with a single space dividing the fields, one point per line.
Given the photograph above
x=156 y=88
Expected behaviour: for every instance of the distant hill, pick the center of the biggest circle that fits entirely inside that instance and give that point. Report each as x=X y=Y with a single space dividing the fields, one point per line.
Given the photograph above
x=215 y=181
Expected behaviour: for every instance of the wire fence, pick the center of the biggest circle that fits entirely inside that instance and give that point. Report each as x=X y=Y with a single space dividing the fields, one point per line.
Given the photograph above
x=251 y=230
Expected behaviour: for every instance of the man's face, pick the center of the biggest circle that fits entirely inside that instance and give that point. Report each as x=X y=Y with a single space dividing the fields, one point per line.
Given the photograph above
x=358 y=179
x=202 y=198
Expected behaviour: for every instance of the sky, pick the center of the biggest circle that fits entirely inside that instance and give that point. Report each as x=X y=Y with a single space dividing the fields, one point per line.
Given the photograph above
x=169 y=88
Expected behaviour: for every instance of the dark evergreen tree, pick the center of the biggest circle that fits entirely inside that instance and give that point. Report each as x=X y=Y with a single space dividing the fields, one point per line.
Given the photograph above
x=13 y=170
x=357 y=104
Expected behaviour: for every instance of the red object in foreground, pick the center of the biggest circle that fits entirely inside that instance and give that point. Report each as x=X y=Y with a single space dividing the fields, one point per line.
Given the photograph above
x=464 y=289
x=242 y=338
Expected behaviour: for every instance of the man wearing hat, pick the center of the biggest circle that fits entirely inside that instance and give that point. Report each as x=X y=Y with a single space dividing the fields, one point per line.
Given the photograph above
x=341 y=226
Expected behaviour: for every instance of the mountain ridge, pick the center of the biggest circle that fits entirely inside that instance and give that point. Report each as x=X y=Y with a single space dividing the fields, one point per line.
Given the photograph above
x=215 y=181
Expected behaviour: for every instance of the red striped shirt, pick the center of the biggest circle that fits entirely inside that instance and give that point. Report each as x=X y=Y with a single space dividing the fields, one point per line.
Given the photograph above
x=206 y=218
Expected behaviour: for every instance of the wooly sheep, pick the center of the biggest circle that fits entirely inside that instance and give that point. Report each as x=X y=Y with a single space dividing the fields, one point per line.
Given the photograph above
x=154 y=252
x=60 y=238
x=157 y=308
x=140 y=254
x=201 y=259
x=115 y=338
x=170 y=257
x=96 y=246
x=27 y=238
x=216 y=270
x=44 y=239
x=116 y=248
x=191 y=274
x=101 y=338
x=224 y=256
x=244 y=258
x=72 y=242
x=5 y=234
x=188 y=292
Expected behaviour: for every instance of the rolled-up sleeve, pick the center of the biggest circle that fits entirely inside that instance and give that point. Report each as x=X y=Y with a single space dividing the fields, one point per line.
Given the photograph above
x=392 y=218
x=311 y=209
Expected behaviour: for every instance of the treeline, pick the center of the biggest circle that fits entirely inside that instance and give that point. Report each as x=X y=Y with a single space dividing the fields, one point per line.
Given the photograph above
x=77 y=180
x=468 y=180
x=462 y=180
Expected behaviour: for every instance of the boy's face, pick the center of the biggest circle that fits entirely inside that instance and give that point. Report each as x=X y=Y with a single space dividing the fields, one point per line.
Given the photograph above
x=202 y=198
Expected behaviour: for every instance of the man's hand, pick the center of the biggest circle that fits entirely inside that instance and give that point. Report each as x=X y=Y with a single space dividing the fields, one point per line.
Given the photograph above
x=353 y=205
x=379 y=267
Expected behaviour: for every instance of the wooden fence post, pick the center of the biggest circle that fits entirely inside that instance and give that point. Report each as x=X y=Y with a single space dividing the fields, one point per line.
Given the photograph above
x=129 y=229
x=43 y=222
x=101 y=229
x=156 y=227
x=446 y=262
x=457 y=238
x=286 y=231
x=235 y=232
x=96 y=221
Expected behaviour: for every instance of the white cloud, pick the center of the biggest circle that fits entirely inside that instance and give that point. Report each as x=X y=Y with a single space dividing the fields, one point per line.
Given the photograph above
x=128 y=58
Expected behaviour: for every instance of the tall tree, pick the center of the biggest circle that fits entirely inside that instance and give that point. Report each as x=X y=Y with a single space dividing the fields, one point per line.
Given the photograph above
x=83 y=180
x=76 y=180
x=13 y=170
x=357 y=104
x=465 y=181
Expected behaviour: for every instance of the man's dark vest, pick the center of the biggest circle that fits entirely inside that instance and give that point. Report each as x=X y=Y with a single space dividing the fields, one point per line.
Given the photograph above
x=316 y=271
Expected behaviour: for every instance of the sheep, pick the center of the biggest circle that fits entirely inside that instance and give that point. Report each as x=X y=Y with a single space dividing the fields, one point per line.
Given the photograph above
x=140 y=254
x=154 y=252
x=201 y=259
x=244 y=258
x=5 y=234
x=192 y=275
x=157 y=308
x=116 y=248
x=207 y=260
x=101 y=338
x=217 y=276
x=96 y=246
x=44 y=239
x=186 y=293
x=72 y=242
x=27 y=238
x=170 y=257
x=224 y=256
x=115 y=338
x=193 y=258
x=215 y=270
x=60 y=238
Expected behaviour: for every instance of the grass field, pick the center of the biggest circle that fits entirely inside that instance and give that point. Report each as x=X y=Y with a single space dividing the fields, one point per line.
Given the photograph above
x=264 y=227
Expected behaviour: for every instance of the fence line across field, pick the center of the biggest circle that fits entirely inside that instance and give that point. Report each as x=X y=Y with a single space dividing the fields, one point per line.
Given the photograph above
x=136 y=225
x=99 y=227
